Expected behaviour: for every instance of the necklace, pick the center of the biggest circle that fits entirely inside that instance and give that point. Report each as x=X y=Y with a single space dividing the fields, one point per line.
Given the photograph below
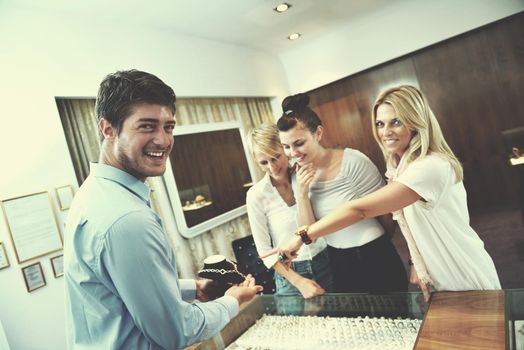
x=223 y=271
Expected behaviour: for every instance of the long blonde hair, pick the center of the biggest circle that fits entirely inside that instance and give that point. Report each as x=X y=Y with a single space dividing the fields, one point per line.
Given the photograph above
x=412 y=109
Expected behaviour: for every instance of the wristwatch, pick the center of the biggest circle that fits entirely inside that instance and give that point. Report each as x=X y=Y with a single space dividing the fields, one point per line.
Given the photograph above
x=302 y=233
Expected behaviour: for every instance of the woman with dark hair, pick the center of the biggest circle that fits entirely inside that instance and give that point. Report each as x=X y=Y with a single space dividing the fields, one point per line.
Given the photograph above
x=362 y=257
x=271 y=209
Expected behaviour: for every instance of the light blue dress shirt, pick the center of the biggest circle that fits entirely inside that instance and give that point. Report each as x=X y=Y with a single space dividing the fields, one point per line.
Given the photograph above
x=122 y=287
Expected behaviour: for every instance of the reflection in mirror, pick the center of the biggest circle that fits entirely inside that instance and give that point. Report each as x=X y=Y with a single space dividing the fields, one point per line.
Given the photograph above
x=514 y=144
x=208 y=176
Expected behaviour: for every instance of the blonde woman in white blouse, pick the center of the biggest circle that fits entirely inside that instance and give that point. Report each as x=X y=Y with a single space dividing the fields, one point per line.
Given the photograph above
x=272 y=216
x=426 y=195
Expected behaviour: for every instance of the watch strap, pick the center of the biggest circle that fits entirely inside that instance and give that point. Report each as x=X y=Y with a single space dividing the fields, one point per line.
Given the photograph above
x=303 y=233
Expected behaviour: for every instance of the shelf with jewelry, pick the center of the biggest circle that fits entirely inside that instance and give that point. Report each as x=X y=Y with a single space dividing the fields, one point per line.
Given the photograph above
x=450 y=320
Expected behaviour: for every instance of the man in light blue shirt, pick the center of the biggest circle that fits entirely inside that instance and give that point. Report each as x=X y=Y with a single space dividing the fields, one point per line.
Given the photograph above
x=122 y=288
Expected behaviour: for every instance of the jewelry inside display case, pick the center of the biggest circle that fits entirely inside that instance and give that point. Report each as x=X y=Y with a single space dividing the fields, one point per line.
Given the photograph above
x=317 y=332
x=335 y=321
x=480 y=320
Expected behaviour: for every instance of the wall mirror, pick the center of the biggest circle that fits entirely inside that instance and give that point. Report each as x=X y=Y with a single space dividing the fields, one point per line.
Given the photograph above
x=208 y=175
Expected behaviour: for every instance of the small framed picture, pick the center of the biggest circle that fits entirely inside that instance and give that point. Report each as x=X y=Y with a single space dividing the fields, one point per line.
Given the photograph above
x=33 y=276
x=57 y=262
x=4 y=260
x=65 y=196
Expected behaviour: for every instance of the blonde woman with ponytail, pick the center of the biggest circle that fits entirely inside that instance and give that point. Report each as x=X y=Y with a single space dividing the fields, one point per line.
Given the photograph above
x=426 y=195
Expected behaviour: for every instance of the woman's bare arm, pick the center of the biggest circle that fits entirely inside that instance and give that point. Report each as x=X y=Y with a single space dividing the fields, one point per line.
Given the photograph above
x=389 y=198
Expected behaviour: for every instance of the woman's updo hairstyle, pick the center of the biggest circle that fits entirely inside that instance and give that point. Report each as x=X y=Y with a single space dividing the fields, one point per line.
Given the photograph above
x=295 y=108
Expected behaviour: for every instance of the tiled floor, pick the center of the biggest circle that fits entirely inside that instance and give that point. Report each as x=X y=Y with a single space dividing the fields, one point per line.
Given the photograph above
x=503 y=235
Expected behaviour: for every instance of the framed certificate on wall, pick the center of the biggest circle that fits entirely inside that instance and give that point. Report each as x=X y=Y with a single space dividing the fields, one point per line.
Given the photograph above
x=32 y=225
x=57 y=263
x=33 y=276
x=4 y=260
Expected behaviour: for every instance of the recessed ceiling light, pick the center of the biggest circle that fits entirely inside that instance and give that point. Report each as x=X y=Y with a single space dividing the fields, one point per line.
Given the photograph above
x=294 y=36
x=282 y=7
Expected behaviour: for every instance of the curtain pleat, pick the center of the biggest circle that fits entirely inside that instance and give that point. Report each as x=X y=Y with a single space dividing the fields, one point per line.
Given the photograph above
x=81 y=130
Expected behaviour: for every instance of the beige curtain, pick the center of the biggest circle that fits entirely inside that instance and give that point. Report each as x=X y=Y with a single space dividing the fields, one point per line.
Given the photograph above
x=81 y=131
x=190 y=253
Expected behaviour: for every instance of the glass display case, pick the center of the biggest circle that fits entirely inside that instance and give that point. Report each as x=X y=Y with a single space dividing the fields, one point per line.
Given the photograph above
x=333 y=320
x=514 y=310
x=480 y=320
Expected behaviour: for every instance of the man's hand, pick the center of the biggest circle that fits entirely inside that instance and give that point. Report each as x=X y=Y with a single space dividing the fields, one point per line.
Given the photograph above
x=309 y=288
x=245 y=291
x=249 y=281
x=207 y=290
x=424 y=288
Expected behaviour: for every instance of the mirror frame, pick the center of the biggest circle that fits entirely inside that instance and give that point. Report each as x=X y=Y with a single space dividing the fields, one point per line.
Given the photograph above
x=172 y=189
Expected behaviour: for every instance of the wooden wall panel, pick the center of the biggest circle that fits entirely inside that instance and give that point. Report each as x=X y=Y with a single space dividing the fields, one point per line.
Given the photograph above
x=507 y=49
x=460 y=78
x=345 y=106
x=475 y=85
x=464 y=87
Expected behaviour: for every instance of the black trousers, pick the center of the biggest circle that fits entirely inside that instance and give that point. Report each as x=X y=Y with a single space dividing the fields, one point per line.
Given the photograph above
x=374 y=267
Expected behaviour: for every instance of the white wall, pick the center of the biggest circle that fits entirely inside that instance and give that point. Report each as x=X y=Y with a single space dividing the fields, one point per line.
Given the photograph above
x=395 y=30
x=43 y=56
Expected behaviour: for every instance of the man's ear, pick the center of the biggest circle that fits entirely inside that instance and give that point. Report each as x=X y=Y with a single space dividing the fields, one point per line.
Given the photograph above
x=319 y=133
x=108 y=131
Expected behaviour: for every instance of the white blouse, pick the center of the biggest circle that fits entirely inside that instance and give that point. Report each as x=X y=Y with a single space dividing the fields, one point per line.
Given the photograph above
x=453 y=252
x=273 y=221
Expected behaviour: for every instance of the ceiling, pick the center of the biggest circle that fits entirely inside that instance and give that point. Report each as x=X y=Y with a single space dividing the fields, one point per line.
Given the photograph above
x=243 y=22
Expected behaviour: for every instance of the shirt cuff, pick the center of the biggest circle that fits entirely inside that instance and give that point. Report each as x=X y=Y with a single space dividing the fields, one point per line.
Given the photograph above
x=270 y=260
x=188 y=289
x=231 y=305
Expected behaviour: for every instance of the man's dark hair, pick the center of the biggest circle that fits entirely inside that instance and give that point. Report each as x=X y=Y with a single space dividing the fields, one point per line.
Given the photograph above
x=120 y=92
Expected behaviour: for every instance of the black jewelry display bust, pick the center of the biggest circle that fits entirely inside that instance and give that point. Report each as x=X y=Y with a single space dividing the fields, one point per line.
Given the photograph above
x=221 y=269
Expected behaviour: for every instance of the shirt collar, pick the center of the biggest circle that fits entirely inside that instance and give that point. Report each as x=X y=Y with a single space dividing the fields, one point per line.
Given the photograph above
x=125 y=179
x=267 y=181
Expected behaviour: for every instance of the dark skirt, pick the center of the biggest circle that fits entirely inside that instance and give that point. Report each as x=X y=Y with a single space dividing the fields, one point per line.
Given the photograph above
x=374 y=267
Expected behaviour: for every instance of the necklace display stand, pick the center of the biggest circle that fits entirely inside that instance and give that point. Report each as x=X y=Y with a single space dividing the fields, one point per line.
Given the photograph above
x=221 y=269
